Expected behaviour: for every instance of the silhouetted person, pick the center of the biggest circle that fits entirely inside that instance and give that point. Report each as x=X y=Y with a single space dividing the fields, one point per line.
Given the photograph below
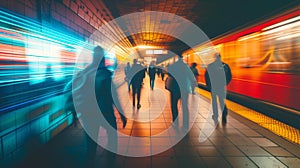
x=97 y=78
x=163 y=72
x=152 y=72
x=158 y=71
x=196 y=74
x=183 y=76
x=136 y=76
x=127 y=69
x=217 y=76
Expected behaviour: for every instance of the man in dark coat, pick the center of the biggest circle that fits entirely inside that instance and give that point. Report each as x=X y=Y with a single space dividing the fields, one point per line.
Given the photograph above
x=95 y=96
x=217 y=77
x=152 y=71
x=183 y=77
x=136 y=76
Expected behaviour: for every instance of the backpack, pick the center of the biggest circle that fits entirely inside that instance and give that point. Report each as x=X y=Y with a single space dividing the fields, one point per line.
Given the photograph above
x=228 y=74
x=169 y=83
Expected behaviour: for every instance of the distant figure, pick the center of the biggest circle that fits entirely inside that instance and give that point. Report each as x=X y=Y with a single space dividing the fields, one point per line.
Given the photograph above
x=183 y=78
x=196 y=74
x=152 y=72
x=136 y=76
x=127 y=69
x=217 y=77
x=98 y=76
x=163 y=72
x=158 y=71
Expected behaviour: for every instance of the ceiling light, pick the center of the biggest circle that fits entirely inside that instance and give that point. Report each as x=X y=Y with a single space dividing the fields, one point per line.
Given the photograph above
x=144 y=47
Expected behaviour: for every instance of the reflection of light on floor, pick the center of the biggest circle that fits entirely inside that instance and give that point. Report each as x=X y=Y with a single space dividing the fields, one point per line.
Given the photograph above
x=277 y=127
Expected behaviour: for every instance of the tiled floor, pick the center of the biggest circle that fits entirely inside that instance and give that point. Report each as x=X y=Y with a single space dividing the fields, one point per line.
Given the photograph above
x=241 y=143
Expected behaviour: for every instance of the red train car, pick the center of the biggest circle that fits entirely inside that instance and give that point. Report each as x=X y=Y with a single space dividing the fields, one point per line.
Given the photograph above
x=264 y=59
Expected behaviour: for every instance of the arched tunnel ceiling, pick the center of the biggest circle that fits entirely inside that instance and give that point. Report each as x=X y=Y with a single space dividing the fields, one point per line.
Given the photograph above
x=214 y=17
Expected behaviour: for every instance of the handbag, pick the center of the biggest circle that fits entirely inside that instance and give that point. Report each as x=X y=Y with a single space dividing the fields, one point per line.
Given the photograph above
x=169 y=83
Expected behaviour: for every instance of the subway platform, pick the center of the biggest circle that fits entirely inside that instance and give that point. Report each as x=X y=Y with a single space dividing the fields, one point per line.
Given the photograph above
x=239 y=143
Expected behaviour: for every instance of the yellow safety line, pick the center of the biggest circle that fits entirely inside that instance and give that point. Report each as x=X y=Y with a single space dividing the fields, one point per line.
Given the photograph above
x=281 y=129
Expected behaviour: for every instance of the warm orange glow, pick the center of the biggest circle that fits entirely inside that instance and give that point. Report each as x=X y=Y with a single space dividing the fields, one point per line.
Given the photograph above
x=144 y=47
x=9 y=52
x=68 y=56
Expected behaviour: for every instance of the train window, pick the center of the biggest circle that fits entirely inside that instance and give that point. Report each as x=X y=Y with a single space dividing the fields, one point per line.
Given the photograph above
x=283 y=42
x=296 y=54
x=282 y=55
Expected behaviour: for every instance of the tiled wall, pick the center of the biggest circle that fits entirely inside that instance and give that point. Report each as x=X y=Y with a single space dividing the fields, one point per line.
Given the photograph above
x=70 y=15
x=36 y=124
x=18 y=129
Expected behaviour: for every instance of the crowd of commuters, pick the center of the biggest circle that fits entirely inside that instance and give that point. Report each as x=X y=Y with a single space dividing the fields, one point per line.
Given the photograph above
x=181 y=81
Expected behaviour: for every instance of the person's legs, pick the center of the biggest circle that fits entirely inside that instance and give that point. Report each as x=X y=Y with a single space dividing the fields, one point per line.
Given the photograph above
x=138 y=97
x=185 y=110
x=91 y=148
x=223 y=105
x=153 y=83
x=134 y=90
x=112 y=139
x=214 y=106
x=128 y=83
x=112 y=133
x=174 y=101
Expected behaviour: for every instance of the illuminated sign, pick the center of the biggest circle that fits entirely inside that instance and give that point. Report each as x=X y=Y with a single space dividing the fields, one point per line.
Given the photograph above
x=156 y=52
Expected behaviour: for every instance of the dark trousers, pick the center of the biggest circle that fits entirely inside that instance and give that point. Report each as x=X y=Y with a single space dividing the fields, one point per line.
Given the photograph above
x=152 y=82
x=112 y=139
x=175 y=96
x=128 y=84
x=221 y=95
x=136 y=90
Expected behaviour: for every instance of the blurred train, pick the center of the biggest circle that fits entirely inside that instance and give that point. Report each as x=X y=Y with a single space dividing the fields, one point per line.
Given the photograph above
x=264 y=59
x=35 y=61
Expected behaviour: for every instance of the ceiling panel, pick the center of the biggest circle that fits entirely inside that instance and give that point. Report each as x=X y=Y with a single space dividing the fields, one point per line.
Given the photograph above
x=214 y=17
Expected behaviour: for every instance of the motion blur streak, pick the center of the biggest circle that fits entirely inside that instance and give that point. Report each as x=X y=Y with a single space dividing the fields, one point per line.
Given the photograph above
x=264 y=59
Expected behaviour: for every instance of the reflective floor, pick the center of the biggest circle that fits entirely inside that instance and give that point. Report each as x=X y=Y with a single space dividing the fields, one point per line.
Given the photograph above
x=290 y=133
x=239 y=143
